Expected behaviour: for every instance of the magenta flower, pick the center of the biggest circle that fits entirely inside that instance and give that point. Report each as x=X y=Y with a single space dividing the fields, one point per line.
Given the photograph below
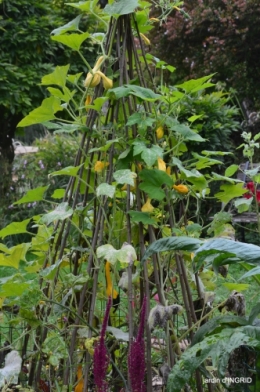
x=136 y=356
x=101 y=360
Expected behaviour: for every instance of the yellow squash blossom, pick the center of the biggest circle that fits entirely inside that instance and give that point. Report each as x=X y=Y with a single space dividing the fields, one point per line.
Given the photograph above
x=88 y=101
x=145 y=39
x=99 y=166
x=94 y=78
x=183 y=189
x=168 y=170
x=159 y=132
x=147 y=207
x=161 y=164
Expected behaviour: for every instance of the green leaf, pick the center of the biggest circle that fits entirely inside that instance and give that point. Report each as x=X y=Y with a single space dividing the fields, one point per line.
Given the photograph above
x=232 y=169
x=58 y=194
x=16 y=254
x=106 y=146
x=252 y=272
x=245 y=252
x=150 y=155
x=230 y=191
x=73 y=41
x=36 y=194
x=57 y=77
x=172 y=243
x=194 y=85
x=61 y=212
x=43 y=113
x=15 y=228
x=193 y=176
x=73 y=25
x=185 y=132
x=144 y=217
x=243 y=204
x=66 y=171
x=105 y=189
x=236 y=286
x=98 y=103
x=255 y=311
x=141 y=119
x=125 y=176
x=119 y=334
x=128 y=89
x=153 y=179
x=122 y=7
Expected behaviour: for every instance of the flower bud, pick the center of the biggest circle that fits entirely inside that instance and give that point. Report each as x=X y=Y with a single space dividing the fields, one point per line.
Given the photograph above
x=183 y=189
x=92 y=80
x=159 y=132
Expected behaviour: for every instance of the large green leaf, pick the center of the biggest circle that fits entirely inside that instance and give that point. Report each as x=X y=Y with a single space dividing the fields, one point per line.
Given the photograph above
x=105 y=189
x=14 y=256
x=71 y=171
x=73 y=41
x=121 y=7
x=63 y=211
x=230 y=191
x=125 y=176
x=36 y=194
x=57 y=77
x=43 y=113
x=144 y=217
x=194 y=85
x=130 y=89
x=153 y=179
x=73 y=25
x=245 y=252
x=15 y=228
x=172 y=243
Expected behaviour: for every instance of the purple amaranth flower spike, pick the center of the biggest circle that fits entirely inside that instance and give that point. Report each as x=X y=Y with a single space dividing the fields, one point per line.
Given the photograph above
x=100 y=360
x=136 y=356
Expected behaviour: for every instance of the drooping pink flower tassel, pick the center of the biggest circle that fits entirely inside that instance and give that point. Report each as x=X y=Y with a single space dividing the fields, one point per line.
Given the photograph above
x=101 y=360
x=136 y=356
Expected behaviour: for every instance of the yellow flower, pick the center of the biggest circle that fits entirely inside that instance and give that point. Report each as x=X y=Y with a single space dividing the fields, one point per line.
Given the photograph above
x=132 y=188
x=99 y=166
x=161 y=164
x=159 y=132
x=183 y=189
x=168 y=170
x=88 y=101
x=107 y=83
x=93 y=78
x=147 y=207
x=145 y=39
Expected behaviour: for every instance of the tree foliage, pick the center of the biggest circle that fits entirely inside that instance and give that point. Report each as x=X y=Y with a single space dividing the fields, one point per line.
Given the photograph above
x=219 y=36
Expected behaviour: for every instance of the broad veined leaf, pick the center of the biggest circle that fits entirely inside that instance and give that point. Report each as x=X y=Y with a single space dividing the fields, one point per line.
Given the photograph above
x=105 y=189
x=125 y=176
x=36 y=194
x=186 y=132
x=150 y=155
x=14 y=256
x=122 y=7
x=73 y=25
x=119 y=334
x=61 y=212
x=57 y=77
x=193 y=176
x=236 y=286
x=98 y=103
x=71 y=171
x=252 y=272
x=128 y=89
x=219 y=177
x=230 y=191
x=245 y=252
x=66 y=95
x=172 y=243
x=153 y=179
x=144 y=217
x=45 y=112
x=15 y=228
x=126 y=254
x=194 y=85
x=73 y=41
x=204 y=162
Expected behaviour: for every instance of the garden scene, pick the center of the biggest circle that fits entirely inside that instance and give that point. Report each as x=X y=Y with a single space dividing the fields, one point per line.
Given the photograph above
x=129 y=196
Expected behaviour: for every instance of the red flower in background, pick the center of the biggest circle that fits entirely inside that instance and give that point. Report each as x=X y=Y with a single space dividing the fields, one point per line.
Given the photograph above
x=251 y=191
